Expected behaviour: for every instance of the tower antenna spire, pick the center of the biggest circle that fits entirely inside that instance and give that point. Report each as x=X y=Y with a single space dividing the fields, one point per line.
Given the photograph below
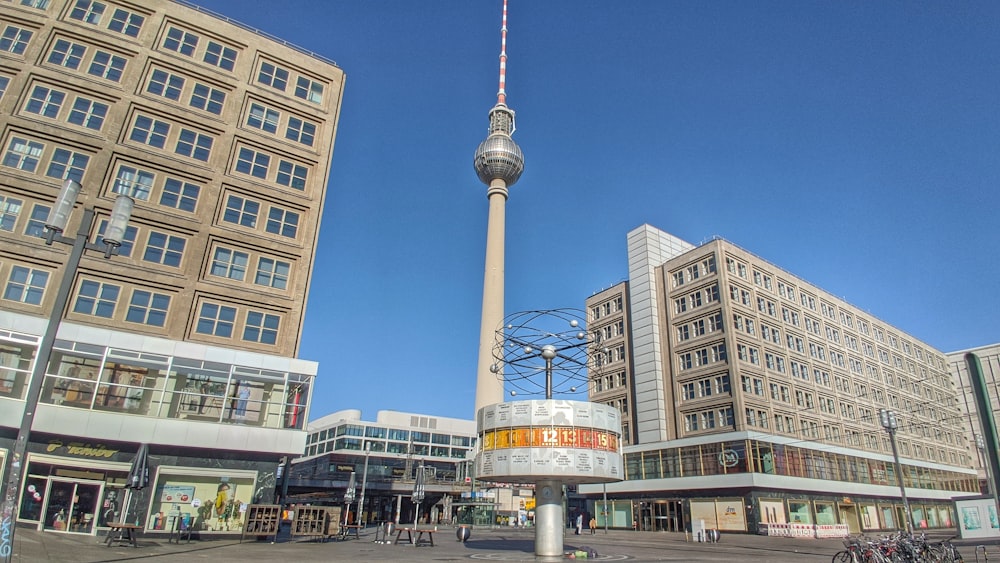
x=502 y=92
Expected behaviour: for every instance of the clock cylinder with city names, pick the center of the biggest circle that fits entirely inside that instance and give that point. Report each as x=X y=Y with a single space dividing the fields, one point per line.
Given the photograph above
x=527 y=441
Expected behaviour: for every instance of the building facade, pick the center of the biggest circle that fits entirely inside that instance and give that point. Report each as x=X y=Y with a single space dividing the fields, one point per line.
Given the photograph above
x=188 y=338
x=989 y=360
x=757 y=397
x=384 y=457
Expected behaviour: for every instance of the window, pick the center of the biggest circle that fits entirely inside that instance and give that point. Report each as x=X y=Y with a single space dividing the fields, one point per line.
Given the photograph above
x=166 y=84
x=108 y=66
x=87 y=11
x=40 y=4
x=126 y=23
x=180 y=41
x=263 y=118
x=252 y=163
x=194 y=144
x=208 y=98
x=261 y=327
x=88 y=113
x=273 y=76
x=241 y=211
x=97 y=299
x=36 y=222
x=282 y=222
x=26 y=285
x=10 y=208
x=14 y=39
x=683 y=333
x=292 y=175
x=4 y=82
x=229 y=264
x=164 y=249
x=216 y=320
x=23 y=154
x=148 y=308
x=219 y=55
x=67 y=164
x=300 y=131
x=272 y=273
x=134 y=183
x=308 y=90
x=149 y=131
x=180 y=195
x=45 y=102
x=691 y=422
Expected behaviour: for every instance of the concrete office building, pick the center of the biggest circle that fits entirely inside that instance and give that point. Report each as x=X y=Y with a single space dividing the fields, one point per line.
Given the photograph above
x=989 y=360
x=188 y=338
x=392 y=449
x=751 y=397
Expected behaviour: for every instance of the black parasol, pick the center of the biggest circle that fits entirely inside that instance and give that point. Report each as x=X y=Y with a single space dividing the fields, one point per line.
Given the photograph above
x=138 y=477
x=138 y=474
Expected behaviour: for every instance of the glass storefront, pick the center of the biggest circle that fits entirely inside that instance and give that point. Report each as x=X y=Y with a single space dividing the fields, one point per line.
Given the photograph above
x=755 y=456
x=15 y=364
x=80 y=496
x=141 y=383
x=200 y=500
x=69 y=496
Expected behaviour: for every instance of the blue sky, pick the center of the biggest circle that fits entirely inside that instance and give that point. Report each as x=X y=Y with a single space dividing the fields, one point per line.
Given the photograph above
x=855 y=144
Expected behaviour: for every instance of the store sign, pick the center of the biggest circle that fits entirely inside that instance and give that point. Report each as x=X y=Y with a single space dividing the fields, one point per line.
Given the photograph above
x=345 y=468
x=729 y=458
x=80 y=448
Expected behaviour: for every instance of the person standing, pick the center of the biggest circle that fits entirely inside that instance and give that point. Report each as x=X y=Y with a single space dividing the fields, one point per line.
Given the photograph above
x=579 y=523
x=593 y=525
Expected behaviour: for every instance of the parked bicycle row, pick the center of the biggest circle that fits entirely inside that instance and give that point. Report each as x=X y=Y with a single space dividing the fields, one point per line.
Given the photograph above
x=897 y=548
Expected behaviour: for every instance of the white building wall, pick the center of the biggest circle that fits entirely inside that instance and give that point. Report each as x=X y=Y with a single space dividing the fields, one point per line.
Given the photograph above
x=648 y=248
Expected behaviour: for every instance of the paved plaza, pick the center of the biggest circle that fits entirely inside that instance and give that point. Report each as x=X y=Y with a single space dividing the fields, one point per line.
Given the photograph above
x=484 y=545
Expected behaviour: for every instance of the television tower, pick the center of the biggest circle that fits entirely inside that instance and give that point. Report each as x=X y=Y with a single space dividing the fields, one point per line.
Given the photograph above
x=499 y=164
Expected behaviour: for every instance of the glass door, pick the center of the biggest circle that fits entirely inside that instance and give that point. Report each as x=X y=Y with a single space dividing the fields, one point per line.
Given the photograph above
x=71 y=506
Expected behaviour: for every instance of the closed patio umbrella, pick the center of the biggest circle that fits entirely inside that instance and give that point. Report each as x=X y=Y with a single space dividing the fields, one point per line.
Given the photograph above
x=138 y=477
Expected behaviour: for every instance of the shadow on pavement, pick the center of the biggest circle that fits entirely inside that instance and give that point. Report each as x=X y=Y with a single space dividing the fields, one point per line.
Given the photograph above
x=502 y=544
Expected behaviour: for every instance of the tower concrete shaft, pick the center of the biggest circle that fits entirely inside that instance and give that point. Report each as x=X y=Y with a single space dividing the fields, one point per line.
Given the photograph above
x=489 y=380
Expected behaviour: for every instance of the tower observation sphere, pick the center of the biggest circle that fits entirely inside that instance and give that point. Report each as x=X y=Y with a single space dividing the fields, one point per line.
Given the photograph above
x=499 y=158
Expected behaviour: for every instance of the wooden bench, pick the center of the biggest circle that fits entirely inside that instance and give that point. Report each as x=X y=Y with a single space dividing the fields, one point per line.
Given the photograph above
x=429 y=532
x=120 y=532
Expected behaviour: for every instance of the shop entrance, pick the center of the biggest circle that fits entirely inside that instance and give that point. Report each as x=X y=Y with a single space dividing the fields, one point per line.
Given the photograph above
x=668 y=516
x=661 y=516
x=71 y=505
x=849 y=516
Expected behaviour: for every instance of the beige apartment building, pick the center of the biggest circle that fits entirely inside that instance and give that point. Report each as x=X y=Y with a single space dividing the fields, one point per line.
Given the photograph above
x=188 y=338
x=752 y=399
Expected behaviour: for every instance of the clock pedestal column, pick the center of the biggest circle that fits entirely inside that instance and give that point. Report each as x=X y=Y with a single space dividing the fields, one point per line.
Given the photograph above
x=550 y=522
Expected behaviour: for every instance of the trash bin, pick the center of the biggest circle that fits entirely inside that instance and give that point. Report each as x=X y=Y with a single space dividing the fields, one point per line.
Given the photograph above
x=463 y=532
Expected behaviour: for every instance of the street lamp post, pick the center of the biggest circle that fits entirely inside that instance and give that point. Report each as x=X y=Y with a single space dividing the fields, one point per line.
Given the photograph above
x=55 y=224
x=364 y=485
x=889 y=422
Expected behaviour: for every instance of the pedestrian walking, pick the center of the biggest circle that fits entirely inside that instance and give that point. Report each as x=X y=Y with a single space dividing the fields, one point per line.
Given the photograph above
x=593 y=525
x=579 y=524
